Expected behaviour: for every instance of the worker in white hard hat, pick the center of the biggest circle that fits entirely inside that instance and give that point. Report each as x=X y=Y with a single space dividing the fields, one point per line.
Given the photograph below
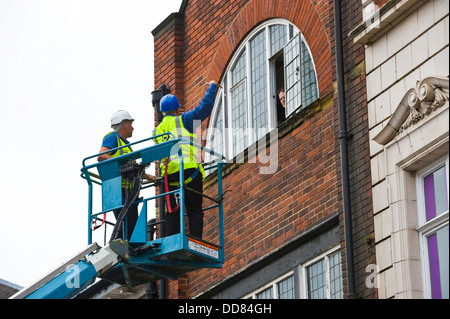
x=122 y=125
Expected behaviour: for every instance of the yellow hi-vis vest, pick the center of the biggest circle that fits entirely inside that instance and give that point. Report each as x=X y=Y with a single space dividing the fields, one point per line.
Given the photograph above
x=120 y=143
x=122 y=151
x=174 y=125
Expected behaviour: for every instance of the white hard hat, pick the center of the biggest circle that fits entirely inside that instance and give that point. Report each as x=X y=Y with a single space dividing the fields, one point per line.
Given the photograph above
x=119 y=116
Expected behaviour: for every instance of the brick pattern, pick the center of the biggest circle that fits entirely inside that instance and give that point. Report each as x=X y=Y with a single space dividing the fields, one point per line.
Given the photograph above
x=264 y=212
x=359 y=155
x=169 y=61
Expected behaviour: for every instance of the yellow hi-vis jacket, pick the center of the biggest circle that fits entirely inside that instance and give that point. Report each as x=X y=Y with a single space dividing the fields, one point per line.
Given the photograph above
x=122 y=151
x=174 y=125
x=120 y=143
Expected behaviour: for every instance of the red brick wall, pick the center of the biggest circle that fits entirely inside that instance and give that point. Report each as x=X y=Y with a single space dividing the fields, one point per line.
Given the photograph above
x=359 y=157
x=169 y=59
x=264 y=212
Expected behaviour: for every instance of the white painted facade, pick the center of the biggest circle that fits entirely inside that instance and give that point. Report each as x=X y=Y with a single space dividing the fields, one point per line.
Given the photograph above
x=407 y=68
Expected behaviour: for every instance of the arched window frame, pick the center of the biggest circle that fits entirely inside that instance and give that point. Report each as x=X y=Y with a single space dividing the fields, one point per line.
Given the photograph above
x=236 y=139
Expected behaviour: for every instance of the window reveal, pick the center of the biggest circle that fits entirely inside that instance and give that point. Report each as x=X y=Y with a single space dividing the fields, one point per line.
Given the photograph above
x=434 y=231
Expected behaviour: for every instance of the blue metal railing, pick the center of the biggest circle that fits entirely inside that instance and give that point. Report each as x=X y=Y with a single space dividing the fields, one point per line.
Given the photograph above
x=109 y=179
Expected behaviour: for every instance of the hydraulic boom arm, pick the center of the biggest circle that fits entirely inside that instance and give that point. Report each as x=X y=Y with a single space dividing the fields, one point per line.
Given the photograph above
x=76 y=274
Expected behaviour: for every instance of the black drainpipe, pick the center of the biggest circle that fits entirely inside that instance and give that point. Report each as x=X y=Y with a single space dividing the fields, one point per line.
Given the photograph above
x=156 y=97
x=343 y=138
x=151 y=292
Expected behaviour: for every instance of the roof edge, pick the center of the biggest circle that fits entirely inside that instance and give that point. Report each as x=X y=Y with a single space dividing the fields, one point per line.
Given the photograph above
x=172 y=19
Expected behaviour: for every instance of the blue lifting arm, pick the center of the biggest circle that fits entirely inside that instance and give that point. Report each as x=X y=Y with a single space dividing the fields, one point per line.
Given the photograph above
x=76 y=274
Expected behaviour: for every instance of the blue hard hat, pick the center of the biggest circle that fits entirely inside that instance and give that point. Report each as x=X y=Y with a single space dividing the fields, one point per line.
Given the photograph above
x=169 y=103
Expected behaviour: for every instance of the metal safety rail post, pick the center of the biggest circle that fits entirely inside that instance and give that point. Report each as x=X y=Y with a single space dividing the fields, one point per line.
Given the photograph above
x=165 y=257
x=95 y=179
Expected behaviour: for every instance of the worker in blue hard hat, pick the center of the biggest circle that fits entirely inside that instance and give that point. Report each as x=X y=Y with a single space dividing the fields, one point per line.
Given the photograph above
x=122 y=125
x=181 y=125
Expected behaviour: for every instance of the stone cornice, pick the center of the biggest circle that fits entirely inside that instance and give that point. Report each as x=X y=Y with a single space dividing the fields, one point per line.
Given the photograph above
x=428 y=95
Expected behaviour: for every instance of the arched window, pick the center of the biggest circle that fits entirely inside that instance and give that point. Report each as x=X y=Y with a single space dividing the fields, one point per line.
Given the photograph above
x=273 y=57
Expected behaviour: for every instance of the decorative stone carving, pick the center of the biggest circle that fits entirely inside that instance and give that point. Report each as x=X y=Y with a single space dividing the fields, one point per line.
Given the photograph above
x=428 y=95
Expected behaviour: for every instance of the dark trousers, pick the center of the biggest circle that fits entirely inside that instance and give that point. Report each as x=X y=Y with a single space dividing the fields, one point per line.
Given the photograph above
x=131 y=219
x=193 y=204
